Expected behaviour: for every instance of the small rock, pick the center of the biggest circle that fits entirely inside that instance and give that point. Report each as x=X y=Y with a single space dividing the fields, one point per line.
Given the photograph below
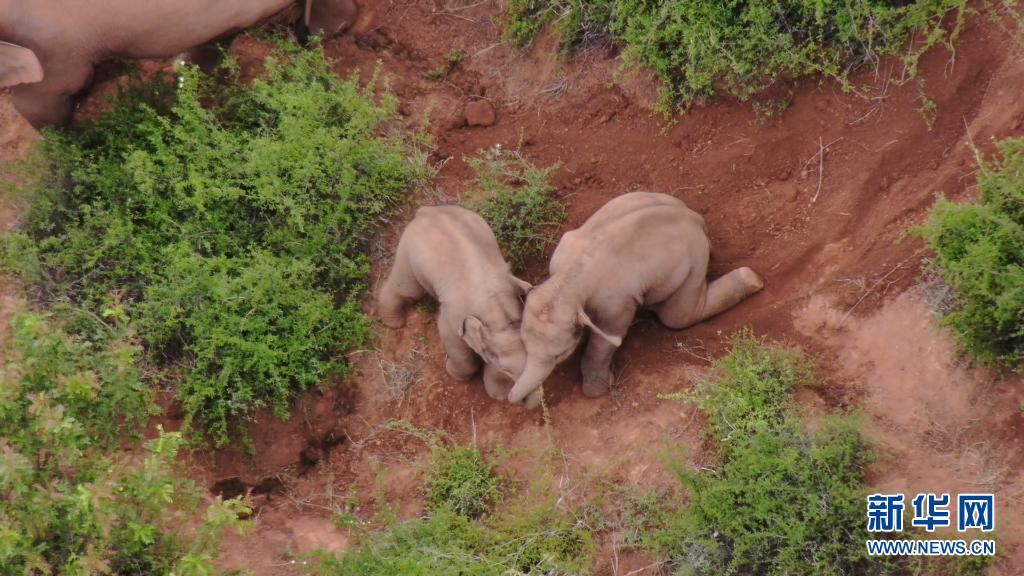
x=480 y=113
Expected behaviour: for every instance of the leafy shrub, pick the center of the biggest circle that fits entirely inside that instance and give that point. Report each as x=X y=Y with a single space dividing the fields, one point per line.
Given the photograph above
x=518 y=202
x=979 y=252
x=752 y=389
x=68 y=505
x=447 y=544
x=529 y=536
x=742 y=46
x=462 y=481
x=780 y=501
x=228 y=223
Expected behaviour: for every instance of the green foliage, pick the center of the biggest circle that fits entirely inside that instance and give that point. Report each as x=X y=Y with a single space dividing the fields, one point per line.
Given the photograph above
x=518 y=202
x=741 y=47
x=68 y=504
x=979 y=252
x=448 y=544
x=229 y=224
x=780 y=501
x=752 y=389
x=461 y=480
x=528 y=536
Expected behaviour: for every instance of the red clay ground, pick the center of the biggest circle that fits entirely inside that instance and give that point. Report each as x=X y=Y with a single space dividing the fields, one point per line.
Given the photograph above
x=838 y=282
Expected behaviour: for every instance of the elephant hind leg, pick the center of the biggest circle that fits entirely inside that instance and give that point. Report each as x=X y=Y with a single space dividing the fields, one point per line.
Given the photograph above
x=699 y=300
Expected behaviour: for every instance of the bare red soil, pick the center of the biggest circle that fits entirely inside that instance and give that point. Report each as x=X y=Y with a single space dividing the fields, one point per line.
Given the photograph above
x=816 y=200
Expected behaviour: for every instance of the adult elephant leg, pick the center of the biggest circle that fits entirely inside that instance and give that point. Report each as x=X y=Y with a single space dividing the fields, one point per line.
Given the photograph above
x=462 y=362
x=51 y=102
x=596 y=364
x=697 y=300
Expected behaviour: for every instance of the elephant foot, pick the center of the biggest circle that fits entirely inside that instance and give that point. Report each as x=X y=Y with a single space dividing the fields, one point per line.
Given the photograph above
x=459 y=371
x=497 y=384
x=751 y=280
x=393 y=320
x=595 y=385
x=534 y=399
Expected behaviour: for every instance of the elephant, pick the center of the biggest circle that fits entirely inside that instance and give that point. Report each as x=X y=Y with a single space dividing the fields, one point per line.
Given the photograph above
x=451 y=254
x=49 y=48
x=641 y=249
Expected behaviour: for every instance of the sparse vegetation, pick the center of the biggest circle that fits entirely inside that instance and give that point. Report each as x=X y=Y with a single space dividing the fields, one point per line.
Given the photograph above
x=462 y=481
x=779 y=500
x=742 y=47
x=979 y=254
x=518 y=202
x=70 y=502
x=451 y=62
x=226 y=224
x=528 y=536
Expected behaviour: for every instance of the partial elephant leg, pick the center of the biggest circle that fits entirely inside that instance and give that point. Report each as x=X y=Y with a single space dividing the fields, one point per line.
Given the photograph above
x=208 y=56
x=696 y=301
x=51 y=102
x=497 y=383
x=462 y=362
x=596 y=365
x=399 y=291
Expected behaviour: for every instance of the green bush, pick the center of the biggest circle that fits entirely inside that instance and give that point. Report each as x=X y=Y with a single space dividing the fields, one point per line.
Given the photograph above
x=528 y=536
x=979 y=252
x=447 y=544
x=518 y=202
x=741 y=47
x=228 y=222
x=70 y=503
x=461 y=480
x=779 y=501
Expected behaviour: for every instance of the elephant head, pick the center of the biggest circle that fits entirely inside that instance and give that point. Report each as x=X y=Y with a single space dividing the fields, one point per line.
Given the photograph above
x=326 y=18
x=553 y=326
x=18 y=65
x=495 y=336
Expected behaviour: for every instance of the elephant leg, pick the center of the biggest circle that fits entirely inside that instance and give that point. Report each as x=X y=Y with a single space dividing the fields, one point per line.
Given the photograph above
x=462 y=362
x=696 y=301
x=399 y=291
x=596 y=364
x=51 y=102
x=496 y=383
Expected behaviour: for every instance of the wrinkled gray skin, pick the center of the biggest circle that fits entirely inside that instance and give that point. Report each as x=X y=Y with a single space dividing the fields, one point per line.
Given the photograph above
x=48 y=48
x=451 y=254
x=640 y=249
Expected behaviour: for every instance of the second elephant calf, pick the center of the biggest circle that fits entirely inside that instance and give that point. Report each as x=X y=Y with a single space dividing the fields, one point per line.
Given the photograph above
x=451 y=254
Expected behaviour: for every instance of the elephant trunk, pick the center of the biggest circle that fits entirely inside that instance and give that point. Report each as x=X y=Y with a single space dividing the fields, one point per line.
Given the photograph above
x=531 y=379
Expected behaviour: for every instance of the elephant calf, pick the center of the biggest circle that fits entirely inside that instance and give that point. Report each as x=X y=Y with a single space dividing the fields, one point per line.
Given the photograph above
x=640 y=249
x=451 y=254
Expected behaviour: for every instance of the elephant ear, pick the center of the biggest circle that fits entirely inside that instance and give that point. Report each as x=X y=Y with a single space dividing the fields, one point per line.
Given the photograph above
x=473 y=333
x=18 y=65
x=523 y=286
x=329 y=17
x=585 y=320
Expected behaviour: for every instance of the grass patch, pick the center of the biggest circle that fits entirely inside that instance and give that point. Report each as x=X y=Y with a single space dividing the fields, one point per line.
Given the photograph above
x=979 y=254
x=518 y=202
x=226 y=223
x=461 y=480
x=70 y=502
x=742 y=47
x=464 y=536
x=778 y=500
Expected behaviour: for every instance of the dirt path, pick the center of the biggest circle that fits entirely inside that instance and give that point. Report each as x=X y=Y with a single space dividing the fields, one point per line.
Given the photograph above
x=838 y=283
